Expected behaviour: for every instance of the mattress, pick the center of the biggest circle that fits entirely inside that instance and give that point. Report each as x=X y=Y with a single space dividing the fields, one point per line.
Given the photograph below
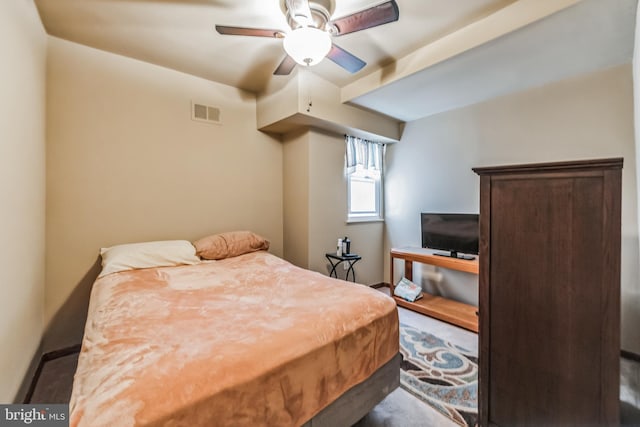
x=246 y=341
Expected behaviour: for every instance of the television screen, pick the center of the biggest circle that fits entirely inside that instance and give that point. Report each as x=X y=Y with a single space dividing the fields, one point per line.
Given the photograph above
x=451 y=232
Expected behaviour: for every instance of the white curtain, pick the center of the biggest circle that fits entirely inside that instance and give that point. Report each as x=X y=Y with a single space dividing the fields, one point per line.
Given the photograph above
x=363 y=154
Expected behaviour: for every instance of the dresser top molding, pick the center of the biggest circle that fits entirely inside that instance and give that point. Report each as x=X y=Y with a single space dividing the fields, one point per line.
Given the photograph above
x=579 y=165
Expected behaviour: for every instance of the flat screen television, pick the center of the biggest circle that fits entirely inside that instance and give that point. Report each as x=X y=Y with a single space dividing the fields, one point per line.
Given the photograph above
x=453 y=232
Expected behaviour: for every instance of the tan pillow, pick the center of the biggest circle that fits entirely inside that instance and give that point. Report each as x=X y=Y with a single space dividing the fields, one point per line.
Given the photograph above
x=131 y=256
x=230 y=244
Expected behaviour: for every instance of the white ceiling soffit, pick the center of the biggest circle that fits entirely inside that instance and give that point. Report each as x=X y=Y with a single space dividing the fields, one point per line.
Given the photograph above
x=591 y=35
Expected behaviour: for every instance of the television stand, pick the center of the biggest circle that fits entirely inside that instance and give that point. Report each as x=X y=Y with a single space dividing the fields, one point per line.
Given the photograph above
x=454 y=312
x=454 y=254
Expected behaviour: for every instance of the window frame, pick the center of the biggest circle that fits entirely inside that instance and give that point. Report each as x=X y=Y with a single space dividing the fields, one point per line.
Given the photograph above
x=378 y=214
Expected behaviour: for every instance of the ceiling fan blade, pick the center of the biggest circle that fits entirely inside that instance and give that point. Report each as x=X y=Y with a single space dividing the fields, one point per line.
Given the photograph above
x=368 y=18
x=285 y=67
x=346 y=60
x=300 y=12
x=254 y=32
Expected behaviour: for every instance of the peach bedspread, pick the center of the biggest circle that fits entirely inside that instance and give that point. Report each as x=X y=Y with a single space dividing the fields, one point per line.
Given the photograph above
x=245 y=341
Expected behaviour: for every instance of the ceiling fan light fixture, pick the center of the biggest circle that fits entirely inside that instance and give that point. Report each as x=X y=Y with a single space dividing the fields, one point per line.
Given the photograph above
x=307 y=45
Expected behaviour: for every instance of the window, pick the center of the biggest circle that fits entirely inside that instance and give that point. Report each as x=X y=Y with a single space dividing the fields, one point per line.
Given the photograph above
x=364 y=193
x=364 y=180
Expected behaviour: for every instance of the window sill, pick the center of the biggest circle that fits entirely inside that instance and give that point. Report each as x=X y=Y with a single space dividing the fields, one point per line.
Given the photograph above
x=364 y=219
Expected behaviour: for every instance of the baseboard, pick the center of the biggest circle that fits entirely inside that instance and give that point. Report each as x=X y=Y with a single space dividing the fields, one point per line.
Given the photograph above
x=25 y=384
x=51 y=355
x=629 y=355
x=379 y=285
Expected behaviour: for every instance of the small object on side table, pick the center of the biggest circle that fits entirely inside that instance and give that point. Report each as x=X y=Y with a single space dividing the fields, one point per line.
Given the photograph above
x=407 y=290
x=336 y=260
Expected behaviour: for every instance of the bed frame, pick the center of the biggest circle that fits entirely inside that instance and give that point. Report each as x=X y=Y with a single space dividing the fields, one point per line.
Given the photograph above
x=359 y=400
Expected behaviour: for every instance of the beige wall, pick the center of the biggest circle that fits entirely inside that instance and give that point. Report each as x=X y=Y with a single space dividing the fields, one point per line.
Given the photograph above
x=589 y=116
x=320 y=99
x=328 y=213
x=126 y=163
x=636 y=102
x=296 y=197
x=304 y=100
x=23 y=47
x=315 y=207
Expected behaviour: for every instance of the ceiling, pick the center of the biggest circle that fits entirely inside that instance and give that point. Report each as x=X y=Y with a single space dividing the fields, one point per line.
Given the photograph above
x=559 y=46
x=180 y=34
x=439 y=55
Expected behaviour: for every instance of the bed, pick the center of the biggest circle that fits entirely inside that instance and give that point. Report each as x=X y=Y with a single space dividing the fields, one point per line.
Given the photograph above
x=249 y=340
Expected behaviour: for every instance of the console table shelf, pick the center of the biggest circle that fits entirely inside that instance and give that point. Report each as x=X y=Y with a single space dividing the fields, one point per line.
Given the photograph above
x=454 y=312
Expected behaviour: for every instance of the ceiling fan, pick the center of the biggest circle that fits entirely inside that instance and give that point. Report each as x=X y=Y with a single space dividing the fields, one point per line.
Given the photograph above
x=309 y=39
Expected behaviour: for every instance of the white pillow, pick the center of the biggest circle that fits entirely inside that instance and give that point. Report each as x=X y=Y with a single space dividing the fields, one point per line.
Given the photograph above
x=145 y=255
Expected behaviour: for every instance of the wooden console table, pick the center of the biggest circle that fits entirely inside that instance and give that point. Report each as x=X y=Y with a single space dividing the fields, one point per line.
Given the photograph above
x=454 y=312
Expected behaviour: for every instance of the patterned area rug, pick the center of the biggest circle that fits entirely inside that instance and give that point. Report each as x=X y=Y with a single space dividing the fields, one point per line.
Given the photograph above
x=441 y=374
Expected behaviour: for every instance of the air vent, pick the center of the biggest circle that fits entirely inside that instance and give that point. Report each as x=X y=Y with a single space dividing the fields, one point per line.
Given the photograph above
x=205 y=113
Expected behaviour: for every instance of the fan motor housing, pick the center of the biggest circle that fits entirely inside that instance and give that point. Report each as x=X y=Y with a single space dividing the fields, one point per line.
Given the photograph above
x=321 y=11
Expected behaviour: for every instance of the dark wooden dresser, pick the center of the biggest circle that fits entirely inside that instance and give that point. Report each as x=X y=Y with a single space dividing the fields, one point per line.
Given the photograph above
x=550 y=293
